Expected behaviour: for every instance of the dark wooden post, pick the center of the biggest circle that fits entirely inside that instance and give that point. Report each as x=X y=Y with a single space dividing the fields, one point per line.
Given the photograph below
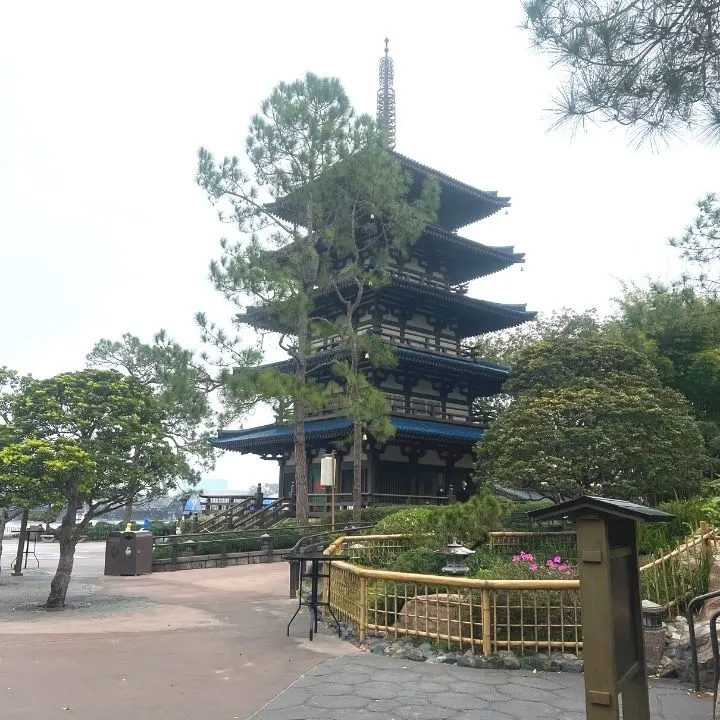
x=258 y=498
x=613 y=648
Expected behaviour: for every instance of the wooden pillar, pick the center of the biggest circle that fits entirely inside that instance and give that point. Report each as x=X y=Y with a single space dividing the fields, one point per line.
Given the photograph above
x=283 y=490
x=597 y=620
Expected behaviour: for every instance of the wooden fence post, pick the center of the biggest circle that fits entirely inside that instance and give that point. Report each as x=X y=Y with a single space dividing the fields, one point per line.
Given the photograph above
x=363 y=610
x=486 y=622
x=704 y=533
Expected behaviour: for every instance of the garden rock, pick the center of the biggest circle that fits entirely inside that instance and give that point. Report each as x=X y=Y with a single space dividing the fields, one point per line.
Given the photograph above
x=509 y=659
x=415 y=654
x=677 y=658
x=435 y=614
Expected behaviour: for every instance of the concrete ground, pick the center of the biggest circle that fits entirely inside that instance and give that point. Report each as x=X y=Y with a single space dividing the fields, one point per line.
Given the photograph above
x=212 y=643
x=191 y=644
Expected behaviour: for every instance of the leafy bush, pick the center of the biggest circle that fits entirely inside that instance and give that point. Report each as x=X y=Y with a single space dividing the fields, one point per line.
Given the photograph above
x=415 y=521
x=420 y=560
x=368 y=515
x=516 y=514
x=469 y=522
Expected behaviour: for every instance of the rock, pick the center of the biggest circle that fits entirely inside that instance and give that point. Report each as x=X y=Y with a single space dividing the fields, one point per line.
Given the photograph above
x=415 y=654
x=425 y=646
x=531 y=662
x=510 y=661
x=470 y=659
x=378 y=647
x=712 y=605
x=441 y=613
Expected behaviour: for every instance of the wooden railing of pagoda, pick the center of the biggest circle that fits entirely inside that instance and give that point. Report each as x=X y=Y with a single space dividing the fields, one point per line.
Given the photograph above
x=321 y=503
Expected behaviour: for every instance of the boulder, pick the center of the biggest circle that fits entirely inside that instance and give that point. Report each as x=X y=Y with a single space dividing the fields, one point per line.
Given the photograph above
x=711 y=606
x=439 y=614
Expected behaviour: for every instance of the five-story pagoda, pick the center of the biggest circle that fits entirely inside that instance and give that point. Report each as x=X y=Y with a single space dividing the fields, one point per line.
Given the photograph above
x=425 y=312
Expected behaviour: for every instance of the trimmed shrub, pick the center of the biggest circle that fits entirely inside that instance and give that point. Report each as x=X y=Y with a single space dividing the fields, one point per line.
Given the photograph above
x=420 y=560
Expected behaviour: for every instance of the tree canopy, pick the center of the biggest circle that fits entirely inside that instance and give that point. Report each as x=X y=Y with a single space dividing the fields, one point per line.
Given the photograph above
x=590 y=416
x=96 y=439
x=651 y=65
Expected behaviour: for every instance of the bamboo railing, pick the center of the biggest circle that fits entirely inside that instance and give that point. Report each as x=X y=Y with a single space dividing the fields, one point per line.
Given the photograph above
x=490 y=615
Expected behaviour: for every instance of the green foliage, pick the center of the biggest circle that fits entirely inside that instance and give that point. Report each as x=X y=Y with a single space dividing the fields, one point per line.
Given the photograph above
x=420 y=560
x=647 y=64
x=516 y=514
x=700 y=246
x=113 y=427
x=655 y=538
x=180 y=383
x=217 y=543
x=469 y=522
x=679 y=332
x=591 y=417
x=368 y=515
x=504 y=346
x=415 y=521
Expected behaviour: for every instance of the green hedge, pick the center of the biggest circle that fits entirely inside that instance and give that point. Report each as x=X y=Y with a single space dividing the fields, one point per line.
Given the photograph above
x=216 y=543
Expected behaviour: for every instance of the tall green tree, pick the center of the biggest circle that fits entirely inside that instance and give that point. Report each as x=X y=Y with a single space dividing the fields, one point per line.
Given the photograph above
x=11 y=384
x=700 y=246
x=679 y=332
x=321 y=210
x=590 y=416
x=303 y=129
x=369 y=222
x=182 y=386
x=504 y=346
x=100 y=441
x=650 y=65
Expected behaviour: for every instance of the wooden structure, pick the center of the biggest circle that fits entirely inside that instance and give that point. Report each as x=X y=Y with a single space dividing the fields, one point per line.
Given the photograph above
x=425 y=311
x=614 y=655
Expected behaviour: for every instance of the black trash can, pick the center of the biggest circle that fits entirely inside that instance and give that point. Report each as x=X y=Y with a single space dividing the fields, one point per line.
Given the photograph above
x=128 y=553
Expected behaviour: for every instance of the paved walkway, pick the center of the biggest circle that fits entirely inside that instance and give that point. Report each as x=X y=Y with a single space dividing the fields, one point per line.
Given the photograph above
x=370 y=687
x=189 y=644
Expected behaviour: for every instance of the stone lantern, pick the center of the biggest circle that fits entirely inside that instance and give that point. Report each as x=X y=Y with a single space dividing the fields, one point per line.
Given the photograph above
x=455 y=556
x=652 y=615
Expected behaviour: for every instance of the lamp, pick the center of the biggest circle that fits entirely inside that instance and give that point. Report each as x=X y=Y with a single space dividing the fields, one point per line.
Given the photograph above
x=455 y=556
x=652 y=615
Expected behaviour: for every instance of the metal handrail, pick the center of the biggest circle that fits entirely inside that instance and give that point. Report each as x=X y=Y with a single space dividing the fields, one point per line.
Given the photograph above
x=716 y=657
x=691 y=629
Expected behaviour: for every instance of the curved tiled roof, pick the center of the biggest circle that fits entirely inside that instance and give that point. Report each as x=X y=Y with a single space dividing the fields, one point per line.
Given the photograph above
x=331 y=428
x=463 y=365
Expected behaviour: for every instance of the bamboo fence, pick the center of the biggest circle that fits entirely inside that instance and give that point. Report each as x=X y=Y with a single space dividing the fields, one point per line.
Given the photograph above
x=492 y=615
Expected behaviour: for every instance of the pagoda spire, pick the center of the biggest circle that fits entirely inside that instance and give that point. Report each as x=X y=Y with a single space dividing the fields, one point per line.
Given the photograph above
x=386 y=98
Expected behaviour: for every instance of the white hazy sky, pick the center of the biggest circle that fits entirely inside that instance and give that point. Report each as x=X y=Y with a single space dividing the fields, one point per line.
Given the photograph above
x=104 y=105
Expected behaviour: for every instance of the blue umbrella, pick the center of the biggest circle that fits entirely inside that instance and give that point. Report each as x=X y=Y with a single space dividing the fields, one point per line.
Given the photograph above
x=193 y=505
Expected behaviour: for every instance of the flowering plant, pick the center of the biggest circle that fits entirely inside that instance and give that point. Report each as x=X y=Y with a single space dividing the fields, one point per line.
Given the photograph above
x=555 y=563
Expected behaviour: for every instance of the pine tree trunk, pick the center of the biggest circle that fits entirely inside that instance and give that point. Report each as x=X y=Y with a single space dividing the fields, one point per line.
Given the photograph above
x=357 y=472
x=68 y=541
x=21 y=542
x=302 y=505
x=127 y=512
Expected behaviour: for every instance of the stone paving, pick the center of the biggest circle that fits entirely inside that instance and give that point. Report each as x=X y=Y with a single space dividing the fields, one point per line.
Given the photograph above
x=370 y=687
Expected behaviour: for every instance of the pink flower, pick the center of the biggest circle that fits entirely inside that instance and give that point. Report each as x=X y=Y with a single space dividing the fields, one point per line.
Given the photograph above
x=550 y=563
x=534 y=567
x=563 y=568
x=557 y=559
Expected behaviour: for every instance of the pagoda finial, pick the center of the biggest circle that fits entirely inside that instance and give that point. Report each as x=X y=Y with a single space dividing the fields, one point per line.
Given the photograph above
x=386 y=97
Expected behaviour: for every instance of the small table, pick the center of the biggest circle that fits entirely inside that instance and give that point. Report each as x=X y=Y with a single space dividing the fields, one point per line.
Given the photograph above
x=314 y=574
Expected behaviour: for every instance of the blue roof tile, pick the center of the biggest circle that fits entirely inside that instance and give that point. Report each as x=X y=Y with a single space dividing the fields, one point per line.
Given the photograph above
x=335 y=427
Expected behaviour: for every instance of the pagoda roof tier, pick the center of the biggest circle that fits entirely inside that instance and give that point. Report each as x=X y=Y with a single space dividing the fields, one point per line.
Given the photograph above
x=464 y=367
x=467 y=259
x=460 y=204
x=473 y=317
x=273 y=438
